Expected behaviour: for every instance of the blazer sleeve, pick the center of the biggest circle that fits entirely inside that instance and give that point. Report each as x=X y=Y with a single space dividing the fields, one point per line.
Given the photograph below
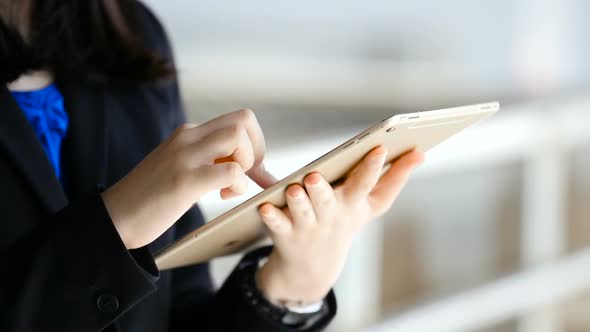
x=73 y=273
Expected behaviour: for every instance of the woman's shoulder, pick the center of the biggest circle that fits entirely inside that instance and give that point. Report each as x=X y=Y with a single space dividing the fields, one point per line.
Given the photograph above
x=153 y=32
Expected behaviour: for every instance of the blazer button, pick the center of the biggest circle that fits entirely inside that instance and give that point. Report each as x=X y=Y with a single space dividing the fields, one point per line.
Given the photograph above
x=107 y=303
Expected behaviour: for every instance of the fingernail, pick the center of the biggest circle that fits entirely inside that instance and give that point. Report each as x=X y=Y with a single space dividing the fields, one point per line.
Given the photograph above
x=266 y=212
x=313 y=179
x=294 y=193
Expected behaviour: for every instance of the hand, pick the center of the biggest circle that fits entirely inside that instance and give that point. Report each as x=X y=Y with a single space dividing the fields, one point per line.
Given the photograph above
x=313 y=234
x=163 y=186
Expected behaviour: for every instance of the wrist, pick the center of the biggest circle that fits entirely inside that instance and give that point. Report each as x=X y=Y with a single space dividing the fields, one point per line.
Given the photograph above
x=277 y=291
x=118 y=219
x=294 y=318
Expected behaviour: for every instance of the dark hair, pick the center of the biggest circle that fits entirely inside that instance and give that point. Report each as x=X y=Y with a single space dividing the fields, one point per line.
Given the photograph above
x=100 y=39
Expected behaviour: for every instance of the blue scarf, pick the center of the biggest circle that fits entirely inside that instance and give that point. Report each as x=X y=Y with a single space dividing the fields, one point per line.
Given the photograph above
x=44 y=109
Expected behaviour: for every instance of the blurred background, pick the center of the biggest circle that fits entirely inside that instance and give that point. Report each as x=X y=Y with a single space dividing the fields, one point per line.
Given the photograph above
x=492 y=233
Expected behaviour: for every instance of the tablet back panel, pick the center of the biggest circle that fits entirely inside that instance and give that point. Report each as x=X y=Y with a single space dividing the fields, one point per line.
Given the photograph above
x=240 y=227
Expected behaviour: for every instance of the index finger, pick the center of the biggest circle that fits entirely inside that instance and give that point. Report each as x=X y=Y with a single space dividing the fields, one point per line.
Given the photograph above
x=247 y=119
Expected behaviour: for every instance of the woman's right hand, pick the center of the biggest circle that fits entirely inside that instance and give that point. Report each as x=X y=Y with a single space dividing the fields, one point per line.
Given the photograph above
x=175 y=175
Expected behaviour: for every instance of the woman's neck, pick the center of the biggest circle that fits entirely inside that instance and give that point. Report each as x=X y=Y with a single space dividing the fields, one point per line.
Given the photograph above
x=17 y=14
x=32 y=81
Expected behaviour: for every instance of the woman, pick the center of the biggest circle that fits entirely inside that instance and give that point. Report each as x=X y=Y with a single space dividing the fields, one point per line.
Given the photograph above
x=99 y=170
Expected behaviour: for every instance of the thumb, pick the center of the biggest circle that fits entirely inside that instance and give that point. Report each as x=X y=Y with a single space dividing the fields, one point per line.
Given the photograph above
x=261 y=176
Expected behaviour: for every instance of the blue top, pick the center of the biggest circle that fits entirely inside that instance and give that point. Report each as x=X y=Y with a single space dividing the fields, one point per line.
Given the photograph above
x=45 y=111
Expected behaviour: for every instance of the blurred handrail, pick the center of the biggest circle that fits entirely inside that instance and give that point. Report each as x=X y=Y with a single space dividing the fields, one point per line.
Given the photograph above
x=499 y=300
x=541 y=136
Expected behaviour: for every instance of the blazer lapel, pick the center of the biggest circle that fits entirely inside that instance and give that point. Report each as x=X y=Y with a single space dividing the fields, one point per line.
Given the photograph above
x=85 y=145
x=23 y=147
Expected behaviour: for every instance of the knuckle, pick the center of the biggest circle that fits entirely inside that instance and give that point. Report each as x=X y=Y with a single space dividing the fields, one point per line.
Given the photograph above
x=180 y=128
x=183 y=128
x=181 y=133
x=326 y=202
x=365 y=186
x=186 y=126
x=233 y=133
x=233 y=170
x=250 y=163
x=349 y=194
x=246 y=114
x=228 y=138
x=306 y=213
x=274 y=225
x=247 y=160
x=280 y=229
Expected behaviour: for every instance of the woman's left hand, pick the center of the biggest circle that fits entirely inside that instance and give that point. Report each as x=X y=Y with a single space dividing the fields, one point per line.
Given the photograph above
x=313 y=234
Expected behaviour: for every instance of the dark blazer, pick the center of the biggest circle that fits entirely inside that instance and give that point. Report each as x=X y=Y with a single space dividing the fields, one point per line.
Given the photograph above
x=64 y=266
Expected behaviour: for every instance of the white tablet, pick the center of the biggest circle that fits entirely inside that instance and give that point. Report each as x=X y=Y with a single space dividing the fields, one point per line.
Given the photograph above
x=240 y=227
